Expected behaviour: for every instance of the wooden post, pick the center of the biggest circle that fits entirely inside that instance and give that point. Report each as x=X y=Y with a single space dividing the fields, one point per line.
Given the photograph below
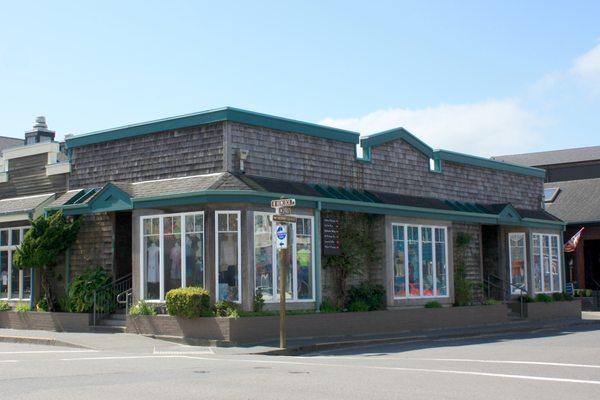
x=282 y=284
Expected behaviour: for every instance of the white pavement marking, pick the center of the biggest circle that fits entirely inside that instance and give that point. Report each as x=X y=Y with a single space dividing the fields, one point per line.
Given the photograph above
x=115 y=358
x=438 y=371
x=9 y=361
x=208 y=350
x=383 y=358
x=47 y=351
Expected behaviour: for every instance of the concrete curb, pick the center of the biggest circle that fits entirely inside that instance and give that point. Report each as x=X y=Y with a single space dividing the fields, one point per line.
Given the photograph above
x=39 y=340
x=428 y=336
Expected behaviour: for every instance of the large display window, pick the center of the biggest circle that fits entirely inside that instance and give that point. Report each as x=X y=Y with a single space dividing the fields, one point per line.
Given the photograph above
x=228 y=255
x=420 y=261
x=299 y=260
x=15 y=284
x=172 y=247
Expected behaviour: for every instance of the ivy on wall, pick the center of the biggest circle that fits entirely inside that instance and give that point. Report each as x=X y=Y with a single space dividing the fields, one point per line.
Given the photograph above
x=463 y=287
x=358 y=249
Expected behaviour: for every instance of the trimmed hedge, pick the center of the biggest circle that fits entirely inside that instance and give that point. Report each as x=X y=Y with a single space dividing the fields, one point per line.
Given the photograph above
x=188 y=302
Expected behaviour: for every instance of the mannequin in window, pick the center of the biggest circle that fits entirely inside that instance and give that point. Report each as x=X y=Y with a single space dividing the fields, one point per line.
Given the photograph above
x=175 y=258
x=153 y=259
x=228 y=267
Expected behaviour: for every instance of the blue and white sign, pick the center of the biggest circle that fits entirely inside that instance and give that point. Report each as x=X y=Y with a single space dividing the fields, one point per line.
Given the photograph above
x=281 y=236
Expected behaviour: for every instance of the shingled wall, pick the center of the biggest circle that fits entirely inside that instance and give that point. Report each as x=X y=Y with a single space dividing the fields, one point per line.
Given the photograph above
x=27 y=176
x=395 y=167
x=185 y=152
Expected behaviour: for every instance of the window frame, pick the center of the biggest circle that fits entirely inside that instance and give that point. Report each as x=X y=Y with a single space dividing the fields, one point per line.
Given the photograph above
x=10 y=249
x=514 y=290
x=433 y=228
x=541 y=262
x=294 y=298
x=239 y=250
x=161 y=297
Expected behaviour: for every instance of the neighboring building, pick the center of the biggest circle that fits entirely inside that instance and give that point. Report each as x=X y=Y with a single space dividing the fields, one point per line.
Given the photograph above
x=32 y=175
x=572 y=193
x=185 y=201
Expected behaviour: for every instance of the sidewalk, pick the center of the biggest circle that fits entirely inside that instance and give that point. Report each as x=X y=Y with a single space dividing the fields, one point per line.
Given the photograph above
x=132 y=343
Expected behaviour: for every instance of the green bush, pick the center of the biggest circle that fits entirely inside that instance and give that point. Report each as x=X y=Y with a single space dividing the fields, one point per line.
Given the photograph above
x=22 y=307
x=358 y=306
x=258 y=303
x=188 y=302
x=226 y=308
x=80 y=298
x=525 y=298
x=543 y=298
x=433 y=304
x=327 y=306
x=42 y=305
x=5 y=306
x=491 y=302
x=142 y=308
x=372 y=295
x=567 y=297
x=558 y=297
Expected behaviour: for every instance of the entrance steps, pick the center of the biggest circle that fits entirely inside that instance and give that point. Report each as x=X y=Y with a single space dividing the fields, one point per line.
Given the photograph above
x=112 y=323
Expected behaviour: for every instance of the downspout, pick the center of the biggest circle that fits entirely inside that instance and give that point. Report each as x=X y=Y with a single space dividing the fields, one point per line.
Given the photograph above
x=318 y=256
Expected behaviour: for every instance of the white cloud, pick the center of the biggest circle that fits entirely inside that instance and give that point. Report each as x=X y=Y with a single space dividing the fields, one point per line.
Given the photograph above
x=586 y=69
x=486 y=128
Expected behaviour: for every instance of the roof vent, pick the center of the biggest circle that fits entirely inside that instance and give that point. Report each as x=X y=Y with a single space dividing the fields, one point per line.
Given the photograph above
x=40 y=132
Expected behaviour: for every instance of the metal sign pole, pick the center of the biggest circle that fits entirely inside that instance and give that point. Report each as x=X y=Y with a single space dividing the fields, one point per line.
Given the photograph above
x=282 y=284
x=283 y=209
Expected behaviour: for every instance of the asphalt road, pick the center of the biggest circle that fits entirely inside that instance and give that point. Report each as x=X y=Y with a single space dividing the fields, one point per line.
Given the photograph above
x=548 y=365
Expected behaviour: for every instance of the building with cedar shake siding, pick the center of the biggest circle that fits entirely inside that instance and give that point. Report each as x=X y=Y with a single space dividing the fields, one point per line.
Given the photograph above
x=34 y=173
x=186 y=201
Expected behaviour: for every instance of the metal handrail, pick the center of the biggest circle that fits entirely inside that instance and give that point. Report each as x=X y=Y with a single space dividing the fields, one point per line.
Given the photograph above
x=522 y=288
x=106 y=304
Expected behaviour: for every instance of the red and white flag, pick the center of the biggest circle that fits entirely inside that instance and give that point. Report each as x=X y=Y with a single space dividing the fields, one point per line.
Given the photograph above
x=571 y=245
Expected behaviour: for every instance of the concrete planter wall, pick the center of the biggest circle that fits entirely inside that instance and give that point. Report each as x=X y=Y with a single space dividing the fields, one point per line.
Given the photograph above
x=48 y=321
x=553 y=310
x=262 y=329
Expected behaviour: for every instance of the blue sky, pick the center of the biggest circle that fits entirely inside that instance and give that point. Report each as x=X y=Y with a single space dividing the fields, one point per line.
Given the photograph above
x=481 y=77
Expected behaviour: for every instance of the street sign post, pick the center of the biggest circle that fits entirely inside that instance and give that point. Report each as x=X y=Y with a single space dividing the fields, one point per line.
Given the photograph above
x=283 y=209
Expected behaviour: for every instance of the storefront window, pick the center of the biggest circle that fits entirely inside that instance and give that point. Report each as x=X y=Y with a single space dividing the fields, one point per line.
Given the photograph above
x=546 y=263
x=419 y=253
x=399 y=261
x=169 y=258
x=15 y=284
x=299 y=259
x=441 y=270
x=518 y=263
x=228 y=255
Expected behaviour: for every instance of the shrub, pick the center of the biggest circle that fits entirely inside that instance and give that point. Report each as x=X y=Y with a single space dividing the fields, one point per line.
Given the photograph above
x=226 y=308
x=491 y=302
x=327 y=306
x=372 y=295
x=543 y=298
x=188 y=302
x=22 y=307
x=42 y=305
x=433 y=304
x=463 y=287
x=5 y=306
x=526 y=298
x=142 y=308
x=258 y=303
x=567 y=296
x=558 y=297
x=80 y=298
x=358 y=306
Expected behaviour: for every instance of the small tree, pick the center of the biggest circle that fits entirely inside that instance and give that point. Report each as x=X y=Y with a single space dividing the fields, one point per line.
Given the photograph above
x=463 y=287
x=48 y=237
x=357 y=250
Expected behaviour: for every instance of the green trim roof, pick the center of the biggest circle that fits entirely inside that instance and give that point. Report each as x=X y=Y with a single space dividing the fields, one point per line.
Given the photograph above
x=212 y=116
x=226 y=187
x=381 y=138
